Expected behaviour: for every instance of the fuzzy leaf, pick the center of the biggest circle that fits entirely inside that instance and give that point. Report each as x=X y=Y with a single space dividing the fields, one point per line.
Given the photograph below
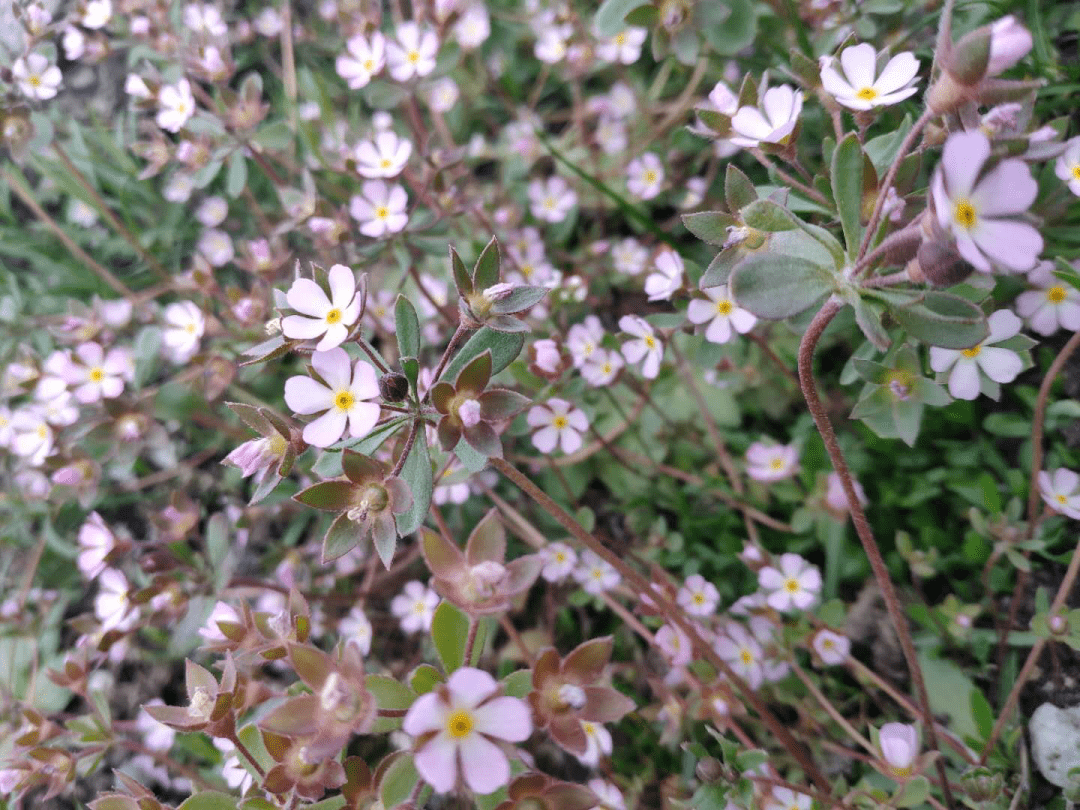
x=450 y=631
x=519 y=300
x=342 y=537
x=331 y=496
x=475 y=376
x=739 y=192
x=611 y=16
x=486 y=272
x=774 y=286
x=765 y=215
x=709 y=226
x=847 y=183
x=398 y=782
x=417 y=475
x=407 y=328
x=462 y=280
x=504 y=348
x=943 y=319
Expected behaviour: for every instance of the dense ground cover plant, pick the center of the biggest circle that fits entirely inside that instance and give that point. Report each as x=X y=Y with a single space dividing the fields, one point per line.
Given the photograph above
x=533 y=405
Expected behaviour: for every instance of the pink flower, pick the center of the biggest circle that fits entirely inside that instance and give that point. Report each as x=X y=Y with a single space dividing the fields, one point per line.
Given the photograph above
x=98 y=375
x=668 y=278
x=647 y=349
x=551 y=200
x=415 y=607
x=742 y=653
x=559 y=561
x=772 y=121
x=384 y=157
x=329 y=317
x=698 y=596
x=771 y=462
x=96 y=542
x=412 y=53
x=1061 y=491
x=584 y=338
x=836 y=498
x=645 y=176
x=899 y=747
x=602 y=367
x=998 y=364
x=723 y=315
x=379 y=208
x=675 y=645
x=342 y=398
x=456 y=726
x=792 y=586
x=363 y=58
x=981 y=209
x=1054 y=305
x=832 y=648
x=1009 y=43
x=596 y=575
x=560 y=424
x=1067 y=166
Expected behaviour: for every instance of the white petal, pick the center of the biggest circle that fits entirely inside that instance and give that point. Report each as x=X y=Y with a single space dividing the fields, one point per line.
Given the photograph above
x=942 y=359
x=301 y=327
x=307 y=297
x=325 y=430
x=506 y=718
x=364 y=384
x=964 y=380
x=719 y=330
x=428 y=712
x=1003 y=325
x=900 y=70
x=700 y=310
x=962 y=159
x=342 y=285
x=332 y=366
x=305 y=395
x=334 y=337
x=1000 y=365
x=859 y=65
x=570 y=441
x=544 y=439
x=484 y=764
x=362 y=418
x=1014 y=245
x=1007 y=189
x=437 y=763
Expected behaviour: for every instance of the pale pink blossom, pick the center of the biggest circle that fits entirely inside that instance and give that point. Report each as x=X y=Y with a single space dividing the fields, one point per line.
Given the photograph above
x=415 y=607
x=624 y=47
x=32 y=437
x=216 y=247
x=629 y=256
x=99 y=375
x=793 y=585
x=473 y=27
x=609 y=796
x=857 y=83
x=1061 y=491
x=771 y=462
x=782 y=798
x=330 y=318
x=723 y=315
x=836 y=498
x=559 y=561
x=457 y=725
x=675 y=645
x=355 y=628
x=343 y=398
x=1054 y=305
x=1067 y=166
x=96 y=542
x=899 y=748
x=582 y=339
x=412 y=53
x=222 y=612
x=596 y=575
x=742 y=652
x=646 y=349
x=598 y=744
x=385 y=156
x=176 y=105
x=560 y=423
x=1009 y=43
x=832 y=648
x=772 y=121
x=967 y=365
x=112 y=605
x=379 y=208
x=363 y=58
x=645 y=176
x=698 y=596
x=551 y=200
x=667 y=277
x=184 y=327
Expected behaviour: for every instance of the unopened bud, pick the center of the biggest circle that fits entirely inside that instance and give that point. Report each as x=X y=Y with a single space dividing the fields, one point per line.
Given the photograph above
x=968 y=58
x=709 y=769
x=393 y=387
x=982 y=785
x=1009 y=43
x=940 y=264
x=1058 y=624
x=469 y=412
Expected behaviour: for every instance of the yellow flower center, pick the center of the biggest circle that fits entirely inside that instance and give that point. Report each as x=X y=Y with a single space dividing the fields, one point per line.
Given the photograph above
x=607 y=367
x=343 y=400
x=526 y=271
x=724 y=307
x=459 y=724
x=964 y=214
x=698 y=598
x=791 y=585
x=649 y=176
x=382 y=212
x=549 y=203
x=369 y=65
x=42 y=432
x=559 y=422
x=867 y=94
x=746 y=656
x=560 y=556
x=973 y=351
x=588 y=727
x=333 y=316
x=414 y=57
x=620 y=39
x=277 y=444
x=1062 y=499
x=777 y=464
x=828 y=643
x=1055 y=295
x=650 y=341
x=190 y=329
x=33 y=80
x=97 y=374
x=419 y=608
x=385 y=163
x=1076 y=171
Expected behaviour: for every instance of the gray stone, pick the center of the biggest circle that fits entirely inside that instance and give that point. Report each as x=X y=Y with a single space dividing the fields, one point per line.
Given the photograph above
x=1055 y=742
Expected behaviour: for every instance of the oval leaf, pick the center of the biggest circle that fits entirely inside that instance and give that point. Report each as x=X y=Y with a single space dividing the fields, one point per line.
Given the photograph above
x=417 y=474
x=847 y=178
x=407 y=326
x=765 y=215
x=504 y=348
x=774 y=286
x=943 y=319
x=709 y=226
x=449 y=631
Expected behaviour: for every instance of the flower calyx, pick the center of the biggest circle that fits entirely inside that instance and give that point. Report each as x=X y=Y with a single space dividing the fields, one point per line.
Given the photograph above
x=484 y=300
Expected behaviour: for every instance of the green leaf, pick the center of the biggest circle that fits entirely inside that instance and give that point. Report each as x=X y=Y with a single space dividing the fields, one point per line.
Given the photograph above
x=417 y=474
x=504 y=347
x=728 y=27
x=912 y=793
x=389 y=693
x=274 y=135
x=462 y=280
x=611 y=16
x=868 y=317
x=765 y=215
x=209 y=800
x=236 y=179
x=217 y=539
x=739 y=192
x=472 y=460
x=342 y=537
x=847 y=178
x=450 y=631
x=518 y=684
x=709 y=226
x=147 y=354
x=486 y=271
x=398 y=781
x=425 y=678
x=407 y=327
x=982 y=712
x=943 y=319
x=774 y=286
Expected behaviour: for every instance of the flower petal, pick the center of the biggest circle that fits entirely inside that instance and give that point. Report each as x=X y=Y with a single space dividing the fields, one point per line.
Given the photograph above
x=437 y=762
x=302 y=328
x=325 y=430
x=483 y=763
x=308 y=298
x=1014 y=245
x=364 y=383
x=859 y=65
x=1000 y=365
x=964 y=380
x=305 y=395
x=1007 y=189
x=900 y=70
x=962 y=159
x=545 y=439
x=333 y=367
x=469 y=686
x=507 y=718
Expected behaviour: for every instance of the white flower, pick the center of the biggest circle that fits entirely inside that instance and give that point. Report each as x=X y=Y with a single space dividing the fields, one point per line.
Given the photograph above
x=212 y=211
x=783 y=798
x=742 y=653
x=415 y=607
x=551 y=43
x=216 y=247
x=597 y=744
x=771 y=122
x=329 y=317
x=176 y=105
x=99 y=375
x=792 y=586
x=236 y=776
x=205 y=18
x=57 y=405
x=771 y=462
x=1000 y=365
x=647 y=349
x=832 y=648
x=111 y=605
x=178 y=188
x=596 y=575
x=268 y=22
x=629 y=256
x=1061 y=491
x=385 y=157
x=1067 y=166
x=36 y=76
x=1054 y=305
x=858 y=85
x=222 y=612
x=560 y=424
x=156 y=735
x=355 y=628
x=725 y=317
x=645 y=176
x=363 y=58
x=96 y=13
x=697 y=596
x=472 y=27
x=559 y=561
x=96 y=542
x=602 y=367
x=624 y=47
x=443 y=94
x=380 y=208
x=584 y=338
x=899 y=747
x=343 y=399
x=609 y=796
x=551 y=199
x=412 y=54
x=184 y=326
x=74 y=43
x=675 y=645
x=977 y=210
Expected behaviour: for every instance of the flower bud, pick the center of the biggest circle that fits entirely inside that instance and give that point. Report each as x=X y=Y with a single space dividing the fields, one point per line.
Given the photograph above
x=1058 y=624
x=899 y=748
x=968 y=58
x=393 y=387
x=1009 y=43
x=939 y=264
x=982 y=785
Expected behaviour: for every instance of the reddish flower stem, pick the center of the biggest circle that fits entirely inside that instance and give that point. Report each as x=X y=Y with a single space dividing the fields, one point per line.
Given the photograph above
x=862 y=525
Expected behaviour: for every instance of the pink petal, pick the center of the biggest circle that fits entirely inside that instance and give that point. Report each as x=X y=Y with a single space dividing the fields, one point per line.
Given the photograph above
x=362 y=418
x=325 y=430
x=484 y=764
x=364 y=384
x=90 y=353
x=437 y=762
x=538 y=416
x=571 y=441
x=428 y=712
x=577 y=419
x=719 y=330
x=305 y=395
x=964 y=380
x=302 y=328
x=833 y=83
x=544 y=439
x=963 y=159
x=469 y=686
x=506 y=718
x=942 y=359
x=1003 y=325
x=333 y=367
x=1014 y=245
x=307 y=297
x=967 y=248
x=1000 y=365
x=779 y=104
x=1007 y=189
x=342 y=285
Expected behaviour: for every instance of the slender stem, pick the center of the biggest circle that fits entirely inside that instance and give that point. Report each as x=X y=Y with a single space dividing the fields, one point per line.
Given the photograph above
x=392 y=712
x=451 y=347
x=862 y=525
x=763 y=344
x=671 y=612
x=888 y=280
x=470 y=642
x=1033 y=657
x=80 y=254
x=107 y=212
x=827 y=705
x=890 y=176
x=515 y=637
x=798 y=185
x=893 y=241
x=369 y=350
x=241 y=748
x=414 y=428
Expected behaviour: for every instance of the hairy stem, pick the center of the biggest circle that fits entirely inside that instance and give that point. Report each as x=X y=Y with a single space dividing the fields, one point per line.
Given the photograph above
x=862 y=525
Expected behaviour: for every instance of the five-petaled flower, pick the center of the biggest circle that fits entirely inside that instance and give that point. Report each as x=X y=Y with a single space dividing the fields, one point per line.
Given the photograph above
x=560 y=423
x=331 y=317
x=456 y=726
x=793 y=585
x=341 y=395
x=379 y=208
x=37 y=78
x=859 y=86
x=723 y=315
x=998 y=364
x=772 y=121
x=646 y=349
x=1061 y=491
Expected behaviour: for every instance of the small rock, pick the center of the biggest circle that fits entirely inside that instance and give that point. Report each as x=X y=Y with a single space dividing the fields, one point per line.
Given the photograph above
x=1055 y=742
